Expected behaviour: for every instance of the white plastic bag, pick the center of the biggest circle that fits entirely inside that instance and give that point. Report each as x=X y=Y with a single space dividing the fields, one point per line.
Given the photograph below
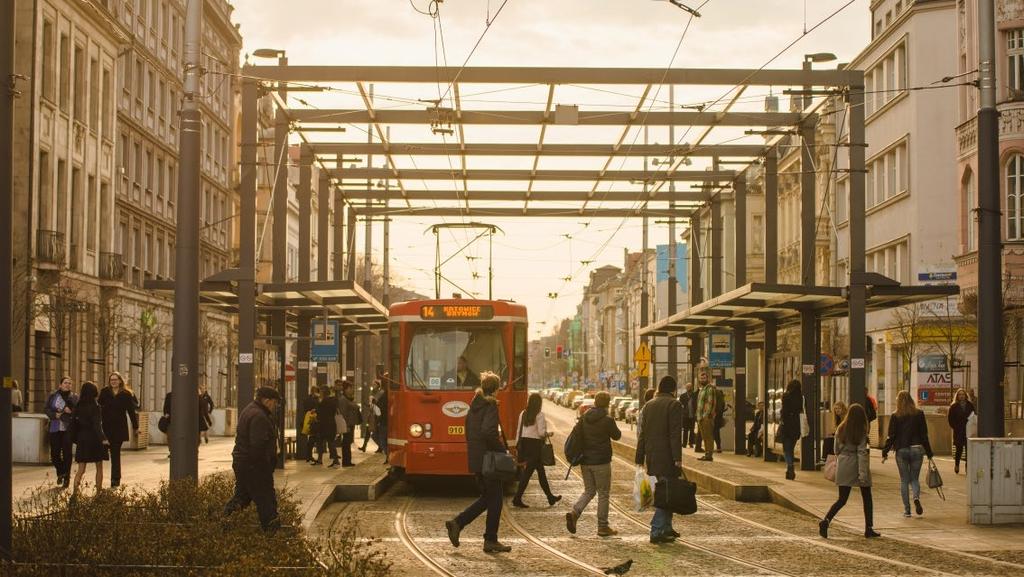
x=972 y=425
x=805 y=427
x=643 y=489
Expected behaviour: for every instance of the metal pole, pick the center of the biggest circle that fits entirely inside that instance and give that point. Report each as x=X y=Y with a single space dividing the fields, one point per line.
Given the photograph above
x=302 y=347
x=185 y=375
x=645 y=312
x=858 y=292
x=716 y=246
x=339 y=228
x=247 y=244
x=740 y=333
x=990 y=298
x=280 y=252
x=771 y=276
x=7 y=95
x=673 y=304
x=808 y=253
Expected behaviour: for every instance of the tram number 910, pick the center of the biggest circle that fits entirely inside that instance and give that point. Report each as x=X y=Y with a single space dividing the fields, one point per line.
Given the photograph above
x=456 y=430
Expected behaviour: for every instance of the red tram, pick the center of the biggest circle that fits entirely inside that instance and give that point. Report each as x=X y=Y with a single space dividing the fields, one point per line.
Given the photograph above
x=438 y=348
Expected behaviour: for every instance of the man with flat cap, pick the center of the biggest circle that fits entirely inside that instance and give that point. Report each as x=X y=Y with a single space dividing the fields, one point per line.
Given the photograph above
x=254 y=457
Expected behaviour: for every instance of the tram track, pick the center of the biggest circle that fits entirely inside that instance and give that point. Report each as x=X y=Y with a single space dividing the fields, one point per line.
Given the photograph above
x=402 y=530
x=509 y=518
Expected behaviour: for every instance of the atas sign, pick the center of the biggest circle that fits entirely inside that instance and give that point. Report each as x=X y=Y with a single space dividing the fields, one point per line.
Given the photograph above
x=455 y=409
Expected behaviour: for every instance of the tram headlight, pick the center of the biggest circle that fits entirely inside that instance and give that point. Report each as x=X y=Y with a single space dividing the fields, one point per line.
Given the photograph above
x=415 y=430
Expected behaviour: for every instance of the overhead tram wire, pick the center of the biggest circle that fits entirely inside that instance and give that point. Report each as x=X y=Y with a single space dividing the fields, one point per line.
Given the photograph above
x=675 y=53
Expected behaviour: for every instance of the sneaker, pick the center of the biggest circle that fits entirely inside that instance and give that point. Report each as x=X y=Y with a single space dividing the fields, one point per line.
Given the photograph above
x=871 y=534
x=918 y=507
x=496 y=547
x=334 y=465
x=707 y=457
x=823 y=528
x=606 y=532
x=664 y=538
x=790 y=474
x=672 y=532
x=906 y=513
x=453 y=531
x=570 y=522
x=554 y=499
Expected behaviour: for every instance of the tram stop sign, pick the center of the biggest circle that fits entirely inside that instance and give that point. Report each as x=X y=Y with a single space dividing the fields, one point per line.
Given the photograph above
x=326 y=341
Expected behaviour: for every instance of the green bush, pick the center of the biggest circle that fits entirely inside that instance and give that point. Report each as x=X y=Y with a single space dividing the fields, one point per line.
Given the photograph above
x=178 y=529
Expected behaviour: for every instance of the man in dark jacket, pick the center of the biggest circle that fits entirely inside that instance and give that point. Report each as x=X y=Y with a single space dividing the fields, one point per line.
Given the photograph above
x=254 y=457
x=482 y=436
x=598 y=430
x=660 y=447
x=327 y=427
x=350 y=414
x=688 y=400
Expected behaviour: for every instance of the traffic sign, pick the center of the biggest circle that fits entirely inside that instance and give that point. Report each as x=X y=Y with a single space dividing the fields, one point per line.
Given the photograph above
x=642 y=354
x=643 y=369
x=720 y=355
x=826 y=365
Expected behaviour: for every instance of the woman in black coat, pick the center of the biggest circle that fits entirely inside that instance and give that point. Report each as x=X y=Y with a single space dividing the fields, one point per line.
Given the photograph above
x=327 y=427
x=117 y=407
x=91 y=443
x=483 y=435
x=959 y=412
x=789 y=432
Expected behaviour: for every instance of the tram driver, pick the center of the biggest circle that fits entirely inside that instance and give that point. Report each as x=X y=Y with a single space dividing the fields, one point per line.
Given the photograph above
x=463 y=377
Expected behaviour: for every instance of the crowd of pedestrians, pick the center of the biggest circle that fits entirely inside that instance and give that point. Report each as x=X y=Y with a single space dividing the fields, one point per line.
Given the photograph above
x=331 y=416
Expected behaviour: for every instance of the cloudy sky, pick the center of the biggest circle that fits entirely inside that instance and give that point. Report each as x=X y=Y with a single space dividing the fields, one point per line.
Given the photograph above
x=541 y=256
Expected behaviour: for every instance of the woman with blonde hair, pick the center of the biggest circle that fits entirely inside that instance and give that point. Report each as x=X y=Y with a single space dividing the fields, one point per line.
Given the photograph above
x=838 y=414
x=960 y=411
x=908 y=436
x=117 y=407
x=853 y=468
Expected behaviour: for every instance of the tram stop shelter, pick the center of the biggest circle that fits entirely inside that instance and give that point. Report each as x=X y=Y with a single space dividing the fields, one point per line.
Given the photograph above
x=502 y=142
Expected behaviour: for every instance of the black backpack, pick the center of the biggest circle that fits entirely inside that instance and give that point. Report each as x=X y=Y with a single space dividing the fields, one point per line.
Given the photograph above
x=573 y=447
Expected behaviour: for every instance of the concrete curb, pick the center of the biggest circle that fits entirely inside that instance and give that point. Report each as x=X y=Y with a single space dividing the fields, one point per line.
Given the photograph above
x=347 y=493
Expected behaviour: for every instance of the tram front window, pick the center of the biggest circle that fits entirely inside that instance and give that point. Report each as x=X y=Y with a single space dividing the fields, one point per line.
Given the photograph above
x=449 y=359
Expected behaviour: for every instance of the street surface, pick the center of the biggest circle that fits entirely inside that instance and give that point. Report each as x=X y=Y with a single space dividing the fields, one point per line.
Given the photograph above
x=723 y=538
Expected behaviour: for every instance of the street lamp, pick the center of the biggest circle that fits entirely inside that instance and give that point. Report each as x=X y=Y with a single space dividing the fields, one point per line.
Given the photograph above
x=268 y=53
x=809 y=59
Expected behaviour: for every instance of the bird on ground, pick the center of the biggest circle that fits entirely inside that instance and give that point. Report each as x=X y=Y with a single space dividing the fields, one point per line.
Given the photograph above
x=620 y=569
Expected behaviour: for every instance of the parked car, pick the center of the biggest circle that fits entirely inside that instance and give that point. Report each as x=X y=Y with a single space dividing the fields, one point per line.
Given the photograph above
x=613 y=408
x=631 y=411
x=620 y=411
x=584 y=406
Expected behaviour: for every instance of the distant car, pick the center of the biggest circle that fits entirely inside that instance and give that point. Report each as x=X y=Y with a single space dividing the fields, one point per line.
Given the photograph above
x=620 y=411
x=576 y=402
x=584 y=406
x=613 y=408
x=631 y=411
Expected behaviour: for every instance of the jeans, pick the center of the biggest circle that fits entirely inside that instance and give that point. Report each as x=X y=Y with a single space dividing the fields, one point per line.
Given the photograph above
x=788 y=446
x=959 y=454
x=689 y=436
x=524 y=478
x=865 y=495
x=909 y=461
x=60 y=452
x=254 y=485
x=491 y=501
x=332 y=447
x=661 y=523
x=346 y=448
x=115 y=464
x=597 y=480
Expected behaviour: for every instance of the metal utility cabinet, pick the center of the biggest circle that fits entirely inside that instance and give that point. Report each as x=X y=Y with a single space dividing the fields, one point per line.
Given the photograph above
x=996 y=481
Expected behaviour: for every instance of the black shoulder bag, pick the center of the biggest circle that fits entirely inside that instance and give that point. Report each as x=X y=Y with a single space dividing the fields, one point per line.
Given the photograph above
x=498 y=465
x=677 y=495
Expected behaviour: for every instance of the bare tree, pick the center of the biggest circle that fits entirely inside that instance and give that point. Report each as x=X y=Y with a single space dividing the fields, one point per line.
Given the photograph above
x=954 y=329
x=59 y=302
x=906 y=323
x=110 y=324
x=145 y=332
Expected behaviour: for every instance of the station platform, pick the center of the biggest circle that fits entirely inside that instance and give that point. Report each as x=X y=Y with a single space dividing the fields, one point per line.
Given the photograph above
x=314 y=487
x=742 y=478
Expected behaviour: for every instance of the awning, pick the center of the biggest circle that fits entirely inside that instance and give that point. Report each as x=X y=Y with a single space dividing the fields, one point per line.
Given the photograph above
x=751 y=305
x=342 y=300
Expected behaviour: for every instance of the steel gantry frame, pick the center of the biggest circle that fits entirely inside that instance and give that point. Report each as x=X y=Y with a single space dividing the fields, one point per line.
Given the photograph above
x=578 y=187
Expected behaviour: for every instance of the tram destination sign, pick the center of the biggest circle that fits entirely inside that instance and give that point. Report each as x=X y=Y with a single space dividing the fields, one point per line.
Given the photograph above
x=456 y=312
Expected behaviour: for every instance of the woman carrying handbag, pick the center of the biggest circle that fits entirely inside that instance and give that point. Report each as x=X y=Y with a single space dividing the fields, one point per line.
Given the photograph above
x=853 y=469
x=531 y=445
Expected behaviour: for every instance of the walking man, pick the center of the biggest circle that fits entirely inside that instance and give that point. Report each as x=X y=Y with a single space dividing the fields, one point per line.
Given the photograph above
x=598 y=429
x=254 y=457
x=659 y=446
x=706 y=414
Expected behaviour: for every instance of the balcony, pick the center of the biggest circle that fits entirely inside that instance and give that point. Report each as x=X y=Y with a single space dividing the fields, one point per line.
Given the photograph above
x=111 y=266
x=1011 y=127
x=50 y=247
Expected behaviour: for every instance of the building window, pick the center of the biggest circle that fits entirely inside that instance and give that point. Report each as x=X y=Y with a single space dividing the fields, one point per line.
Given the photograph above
x=65 y=71
x=842 y=200
x=47 y=64
x=108 y=104
x=91 y=215
x=94 y=94
x=888 y=175
x=45 y=198
x=79 y=82
x=1014 y=185
x=970 y=202
x=1015 y=62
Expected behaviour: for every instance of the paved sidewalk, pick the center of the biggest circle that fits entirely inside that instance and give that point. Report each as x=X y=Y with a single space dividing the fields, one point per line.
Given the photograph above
x=943 y=525
x=314 y=487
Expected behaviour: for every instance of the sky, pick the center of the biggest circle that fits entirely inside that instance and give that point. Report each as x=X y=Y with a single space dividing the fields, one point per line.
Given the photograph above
x=543 y=263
